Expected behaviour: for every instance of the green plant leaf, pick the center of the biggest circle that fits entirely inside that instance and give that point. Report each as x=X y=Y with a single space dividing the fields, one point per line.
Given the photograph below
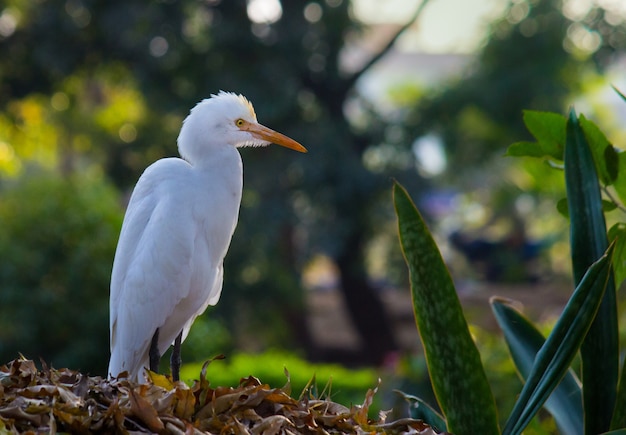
x=588 y=241
x=617 y=234
x=419 y=409
x=525 y=149
x=558 y=351
x=604 y=155
x=549 y=131
x=454 y=365
x=562 y=207
x=620 y=181
x=524 y=342
x=611 y=160
x=608 y=205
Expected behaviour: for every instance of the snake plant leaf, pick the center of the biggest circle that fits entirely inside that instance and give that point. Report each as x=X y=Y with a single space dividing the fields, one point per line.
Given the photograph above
x=588 y=241
x=418 y=409
x=524 y=341
x=559 y=349
x=454 y=365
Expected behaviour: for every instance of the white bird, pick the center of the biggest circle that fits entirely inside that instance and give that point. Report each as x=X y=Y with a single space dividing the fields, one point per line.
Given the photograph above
x=181 y=216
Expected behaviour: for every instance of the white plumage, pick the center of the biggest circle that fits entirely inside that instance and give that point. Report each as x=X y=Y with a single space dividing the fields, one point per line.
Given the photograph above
x=168 y=264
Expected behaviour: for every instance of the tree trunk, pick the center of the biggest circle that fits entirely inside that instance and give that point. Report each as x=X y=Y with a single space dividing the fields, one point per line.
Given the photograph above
x=364 y=304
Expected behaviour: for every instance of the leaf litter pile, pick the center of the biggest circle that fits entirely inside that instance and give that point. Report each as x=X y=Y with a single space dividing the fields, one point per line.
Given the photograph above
x=51 y=401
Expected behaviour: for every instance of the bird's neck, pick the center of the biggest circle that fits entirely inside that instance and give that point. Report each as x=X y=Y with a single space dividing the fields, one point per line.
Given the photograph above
x=209 y=155
x=223 y=163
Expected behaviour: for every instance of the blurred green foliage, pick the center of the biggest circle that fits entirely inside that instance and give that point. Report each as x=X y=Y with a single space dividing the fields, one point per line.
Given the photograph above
x=534 y=59
x=102 y=86
x=530 y=61
x=56 y=245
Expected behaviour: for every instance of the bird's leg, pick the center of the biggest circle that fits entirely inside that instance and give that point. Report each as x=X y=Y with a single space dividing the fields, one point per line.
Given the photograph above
x=175 y=360
x=153 y=353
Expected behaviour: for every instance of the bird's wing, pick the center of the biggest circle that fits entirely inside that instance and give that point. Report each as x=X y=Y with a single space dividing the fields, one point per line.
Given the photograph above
x=152 y=266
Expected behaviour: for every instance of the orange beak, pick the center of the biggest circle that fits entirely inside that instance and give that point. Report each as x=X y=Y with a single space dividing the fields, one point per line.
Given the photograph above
x=262 y=132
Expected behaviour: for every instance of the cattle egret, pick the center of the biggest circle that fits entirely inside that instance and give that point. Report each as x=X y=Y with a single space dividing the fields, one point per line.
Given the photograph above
x=181 y=216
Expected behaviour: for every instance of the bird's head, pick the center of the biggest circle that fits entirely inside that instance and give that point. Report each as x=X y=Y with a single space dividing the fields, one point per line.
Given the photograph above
x=226 y=119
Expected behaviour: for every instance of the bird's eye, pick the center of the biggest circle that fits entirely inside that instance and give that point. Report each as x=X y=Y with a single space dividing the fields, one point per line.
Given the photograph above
x=239 y=122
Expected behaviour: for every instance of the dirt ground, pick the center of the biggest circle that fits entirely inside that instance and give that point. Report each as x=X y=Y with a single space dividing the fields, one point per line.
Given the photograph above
x=329 y=321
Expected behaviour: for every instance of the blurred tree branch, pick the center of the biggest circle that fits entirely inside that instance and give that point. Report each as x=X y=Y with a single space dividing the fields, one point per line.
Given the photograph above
x=351 y=81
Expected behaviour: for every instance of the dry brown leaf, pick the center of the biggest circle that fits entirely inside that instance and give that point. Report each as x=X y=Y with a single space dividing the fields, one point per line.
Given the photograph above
x=145 y=411
x=160 y=380
x=272 y=425
x=63 y=400
x=25 y=411
x=184 y=403
x=360 y=415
